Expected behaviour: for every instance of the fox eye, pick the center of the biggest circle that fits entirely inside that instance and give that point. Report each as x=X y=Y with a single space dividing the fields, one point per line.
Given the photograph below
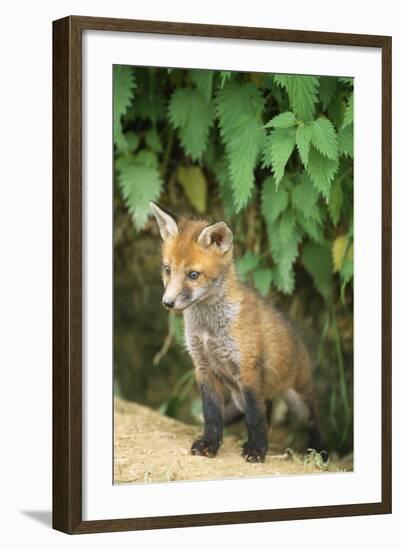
x=193 y=275
x=167 y=269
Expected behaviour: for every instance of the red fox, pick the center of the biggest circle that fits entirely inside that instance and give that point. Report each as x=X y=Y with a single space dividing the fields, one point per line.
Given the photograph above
x=237 y=341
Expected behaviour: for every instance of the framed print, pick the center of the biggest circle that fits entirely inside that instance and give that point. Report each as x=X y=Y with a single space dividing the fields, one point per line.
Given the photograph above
x=221 y=274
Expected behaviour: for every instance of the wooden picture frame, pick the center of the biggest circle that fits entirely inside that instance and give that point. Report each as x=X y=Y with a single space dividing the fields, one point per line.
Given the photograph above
x=67 y=273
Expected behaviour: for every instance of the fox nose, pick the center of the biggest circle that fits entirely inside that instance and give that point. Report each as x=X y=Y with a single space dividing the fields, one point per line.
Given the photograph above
x=168 y=303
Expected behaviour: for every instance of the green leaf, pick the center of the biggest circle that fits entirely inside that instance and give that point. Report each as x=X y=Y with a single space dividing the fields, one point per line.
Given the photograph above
x=349 y=81
x=140 y=183
x=328 y=86
x=302 y=93
x=335 y=202
x=286 y=227
x=313 y=227
x=349 y=112
x=283 y=120
x=203 y=80
x=262 y=279
x=346 y=141
x=274 y=200
x=316 y=259
x=224 y=76
x=193 y=181
x=322 y=171
x=132 y=141
x=324 y=137
x=152 y=140
x=304 y=197
x=284 y=256
x=123 y=92
x=246 y=264
x=281 y=143
x=239 y=108
x=192 y=116
x=303 y=136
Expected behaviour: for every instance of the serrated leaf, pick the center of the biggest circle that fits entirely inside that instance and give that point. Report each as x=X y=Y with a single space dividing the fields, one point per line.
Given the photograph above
x=302 y=93
x=239 y=109
x=139 y=185
x=192 y=116
x=283 y=120
x=335 y=202
x=220 y=170
x=262 y=279
x=286 y=227
x=274 y=200
x=328 y=86
x=194 y=184
x=346 y=141
x=322 y=172
x=153 y=141
x=303 y=136
x=224 y=76
x=281 y=144
x=246 y=264
x=304 y=197
x=313 y=227
x=123 y=92
x=203 y=80
x=316 y=259
x=284 y=256
x=349 y=112
x=324 y=137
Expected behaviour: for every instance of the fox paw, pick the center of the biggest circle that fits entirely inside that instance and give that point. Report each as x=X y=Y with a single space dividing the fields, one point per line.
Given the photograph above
x=201 y=447
x=253 y=453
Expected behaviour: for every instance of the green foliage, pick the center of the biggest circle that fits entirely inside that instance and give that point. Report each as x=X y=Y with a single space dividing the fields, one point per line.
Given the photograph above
x=273 y=156
x=280 y=145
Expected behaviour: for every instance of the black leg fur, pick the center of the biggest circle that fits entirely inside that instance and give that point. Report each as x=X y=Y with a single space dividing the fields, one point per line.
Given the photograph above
x=210 y=441
x=255 y=448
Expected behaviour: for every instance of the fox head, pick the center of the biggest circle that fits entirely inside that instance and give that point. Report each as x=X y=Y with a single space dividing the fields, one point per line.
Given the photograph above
x=196 y=258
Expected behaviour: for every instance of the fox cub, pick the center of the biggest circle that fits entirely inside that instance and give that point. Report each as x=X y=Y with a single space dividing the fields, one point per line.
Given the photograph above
x=237 y=341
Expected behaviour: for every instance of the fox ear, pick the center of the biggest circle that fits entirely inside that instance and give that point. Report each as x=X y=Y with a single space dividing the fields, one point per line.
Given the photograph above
x=218 y=234
x=167 y=224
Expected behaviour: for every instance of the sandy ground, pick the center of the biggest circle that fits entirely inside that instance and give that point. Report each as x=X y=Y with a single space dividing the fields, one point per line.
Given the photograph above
x=150 y=447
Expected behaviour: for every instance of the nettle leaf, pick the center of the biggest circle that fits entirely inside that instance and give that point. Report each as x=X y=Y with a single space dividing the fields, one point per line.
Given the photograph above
x=203 y=80
x=313 y=227
x=220 y=170
x=316 y=259
x=335 y=202
x=339 y=249
x=286 y=227
x=322 y=171
x=324 y=137
x=262 y=279
x=283 y=120
x=123 y=93
x=349 y=112
x=284 y=254
x=194 y=184
x=274 y=200
x=281 y=143
x=328 y=87
x=246 y=264
x=302 y=93
x=346 y=141
x=304 y=197
x=140 y=183
x=192 y=116
x=239 y=108
x=303 y=136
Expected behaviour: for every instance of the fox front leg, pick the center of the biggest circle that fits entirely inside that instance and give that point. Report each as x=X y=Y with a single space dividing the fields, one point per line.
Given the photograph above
x=212 y=403
x=255 y=448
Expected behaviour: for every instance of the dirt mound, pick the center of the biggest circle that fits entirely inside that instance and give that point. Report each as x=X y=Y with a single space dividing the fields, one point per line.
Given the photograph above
x=150 y=447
